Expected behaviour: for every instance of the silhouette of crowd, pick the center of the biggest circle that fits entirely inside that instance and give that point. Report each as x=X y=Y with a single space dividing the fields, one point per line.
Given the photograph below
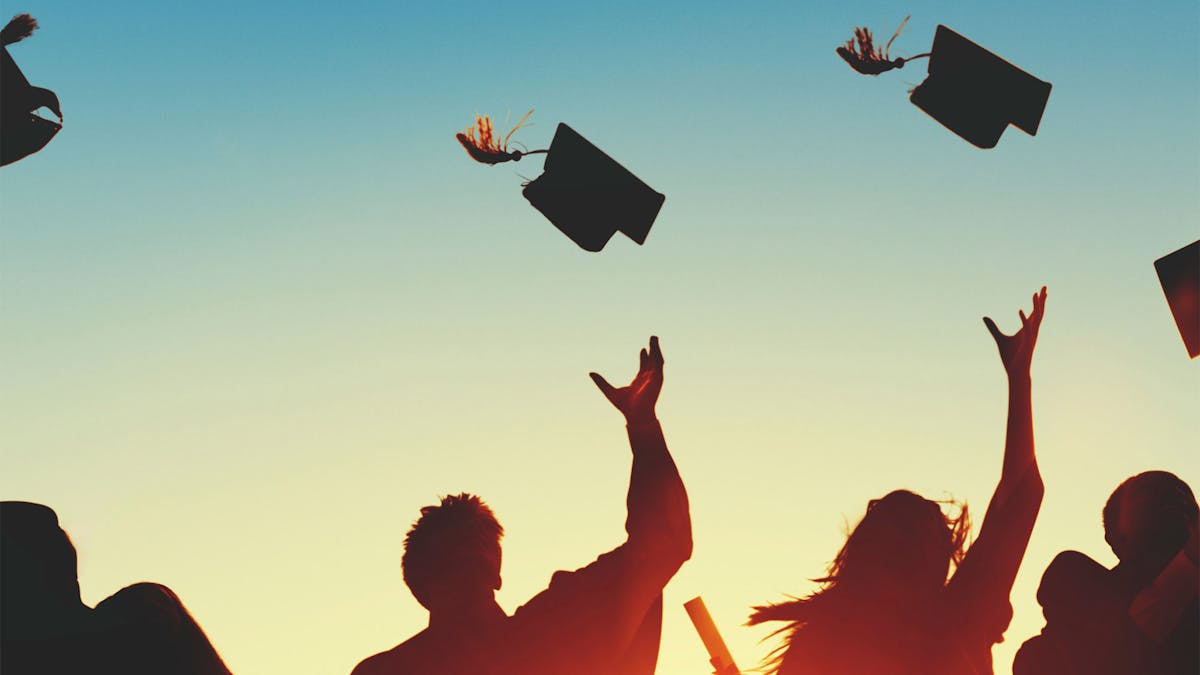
x=912 y=590
x=141 y=629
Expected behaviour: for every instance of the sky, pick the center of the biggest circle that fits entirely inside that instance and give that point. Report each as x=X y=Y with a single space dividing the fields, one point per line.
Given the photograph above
x=257 y=306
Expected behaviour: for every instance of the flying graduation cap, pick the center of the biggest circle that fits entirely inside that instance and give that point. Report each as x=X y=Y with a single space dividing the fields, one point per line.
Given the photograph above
x=585 y=193
x=970 y=91
x=1179 y=274
x=22 y=131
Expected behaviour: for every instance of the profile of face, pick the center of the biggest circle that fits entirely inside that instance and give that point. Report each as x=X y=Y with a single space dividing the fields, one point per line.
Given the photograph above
x=1147 y=520
x=901 y=548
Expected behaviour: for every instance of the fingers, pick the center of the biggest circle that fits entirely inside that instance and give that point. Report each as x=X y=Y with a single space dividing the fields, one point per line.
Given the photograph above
x=656 y=355
x=607 y=389
x=1039 y=303
x=991 y=326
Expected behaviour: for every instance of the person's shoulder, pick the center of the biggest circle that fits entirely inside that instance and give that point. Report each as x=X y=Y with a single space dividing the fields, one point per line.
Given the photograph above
x=600 y=576
x=399 y=660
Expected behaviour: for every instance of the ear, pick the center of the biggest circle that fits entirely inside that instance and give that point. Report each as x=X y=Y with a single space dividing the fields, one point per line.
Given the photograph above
x=1113 y=541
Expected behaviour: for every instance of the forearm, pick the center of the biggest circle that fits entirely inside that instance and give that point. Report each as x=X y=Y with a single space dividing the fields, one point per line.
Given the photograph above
x=1012 y=512
x=657 y=503
x=1020 y=467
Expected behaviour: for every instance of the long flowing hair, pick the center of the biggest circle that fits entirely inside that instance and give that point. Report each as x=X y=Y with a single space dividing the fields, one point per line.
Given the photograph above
x=901 y=533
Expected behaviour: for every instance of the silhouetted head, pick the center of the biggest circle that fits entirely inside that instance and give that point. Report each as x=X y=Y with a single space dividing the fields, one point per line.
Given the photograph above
x=896 y=559
x=147 y=631
x=38 y=567
x=452 y=554
x=903 y=546
x=1147 y=519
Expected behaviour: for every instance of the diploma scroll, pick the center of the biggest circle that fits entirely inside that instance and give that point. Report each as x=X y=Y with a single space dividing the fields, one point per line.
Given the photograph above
x=720 y=657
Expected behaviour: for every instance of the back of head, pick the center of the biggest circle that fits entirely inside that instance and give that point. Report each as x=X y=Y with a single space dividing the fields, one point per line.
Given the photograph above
x=1147 y=520
x=893 y=561
x=903 y=544
x=452 y=553
x=146 y=630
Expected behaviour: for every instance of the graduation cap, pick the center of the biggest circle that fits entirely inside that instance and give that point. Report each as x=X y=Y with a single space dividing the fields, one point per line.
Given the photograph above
x=970 y=91
x=976 y=94
x=1179 y=274
x=585 y=193
x=22 y=132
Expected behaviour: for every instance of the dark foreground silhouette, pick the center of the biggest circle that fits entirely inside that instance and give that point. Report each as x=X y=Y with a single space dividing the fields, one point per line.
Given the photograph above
x=885 y=605
x=22 y=131
x=1139 y=618
x=603 y=618
x=143 y=629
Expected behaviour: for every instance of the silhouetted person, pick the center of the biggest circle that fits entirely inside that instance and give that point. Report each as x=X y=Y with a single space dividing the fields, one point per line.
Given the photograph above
x=46 y=629
x=603 y=618
x=885 y=606
x=1139 y=618
x=44 y=625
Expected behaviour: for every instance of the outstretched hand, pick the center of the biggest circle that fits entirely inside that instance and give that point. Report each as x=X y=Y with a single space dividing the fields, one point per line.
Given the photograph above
x=636 y=401
x=1016 y=350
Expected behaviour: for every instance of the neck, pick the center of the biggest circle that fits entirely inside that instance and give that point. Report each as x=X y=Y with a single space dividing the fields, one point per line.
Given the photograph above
x=480 y=613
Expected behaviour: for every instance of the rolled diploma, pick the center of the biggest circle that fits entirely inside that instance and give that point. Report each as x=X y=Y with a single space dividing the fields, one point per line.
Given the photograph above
x=722 y=660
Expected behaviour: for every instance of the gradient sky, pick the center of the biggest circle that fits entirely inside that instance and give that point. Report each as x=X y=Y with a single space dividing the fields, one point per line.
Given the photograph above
x=258 y=306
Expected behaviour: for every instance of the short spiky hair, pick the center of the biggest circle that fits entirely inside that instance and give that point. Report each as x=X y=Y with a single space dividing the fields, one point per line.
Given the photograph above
x=460 y=534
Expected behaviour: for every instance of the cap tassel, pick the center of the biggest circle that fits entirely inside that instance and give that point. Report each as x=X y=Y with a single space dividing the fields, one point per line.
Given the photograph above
x=482 y=145
x=864 y=57
x=20 y=27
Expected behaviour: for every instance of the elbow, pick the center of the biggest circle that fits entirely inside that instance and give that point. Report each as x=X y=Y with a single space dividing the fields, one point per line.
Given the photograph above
x=1037 y=488
x=674 y=550
x=669 y=547
x=680 y=537
x=682 y=547
x=1025 y=492
x=1030 y=491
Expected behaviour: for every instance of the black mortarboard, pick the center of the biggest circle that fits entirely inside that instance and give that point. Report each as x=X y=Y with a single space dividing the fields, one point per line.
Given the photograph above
x=22 y=133
x=589 y=196
x=976 y=94
x=1179 y=274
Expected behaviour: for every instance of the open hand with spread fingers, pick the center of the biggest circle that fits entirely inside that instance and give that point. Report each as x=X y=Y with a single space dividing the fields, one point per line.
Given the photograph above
x=636 y=401
x=1016 y=350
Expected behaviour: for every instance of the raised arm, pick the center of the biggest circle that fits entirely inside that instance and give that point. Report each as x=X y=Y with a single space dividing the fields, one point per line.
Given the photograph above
x=1020 y=470
x=986 y=575
x=609 y=614
x=657 y=518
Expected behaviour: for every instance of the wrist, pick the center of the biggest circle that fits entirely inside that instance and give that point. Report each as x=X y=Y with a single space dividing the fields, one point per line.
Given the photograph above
x=1019 y=378
x=641 y=418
